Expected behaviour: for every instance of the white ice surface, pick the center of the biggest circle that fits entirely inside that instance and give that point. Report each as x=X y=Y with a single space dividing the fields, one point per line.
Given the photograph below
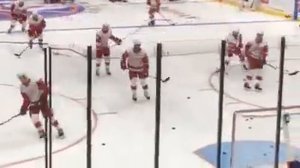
x=128 y=133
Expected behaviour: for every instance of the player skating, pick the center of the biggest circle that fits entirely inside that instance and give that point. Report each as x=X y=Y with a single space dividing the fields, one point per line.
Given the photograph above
x=102 y=47
x=35 y=100
x=256 y=52
x=18 y=14
x=234 y=47
x=135 y=59
x=37 y=25
x=154 y=6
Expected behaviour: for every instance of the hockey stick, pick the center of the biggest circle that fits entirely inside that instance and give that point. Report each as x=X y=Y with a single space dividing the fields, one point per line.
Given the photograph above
x=285 y=71
x=21 y=53
x=4 y=122
x=162 y=80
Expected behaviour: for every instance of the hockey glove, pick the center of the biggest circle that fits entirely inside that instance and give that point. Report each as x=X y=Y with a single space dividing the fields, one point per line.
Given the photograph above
x=240 y=45
x=23 y=111
x=118 y=41
x=145 y=72
x=123 y=65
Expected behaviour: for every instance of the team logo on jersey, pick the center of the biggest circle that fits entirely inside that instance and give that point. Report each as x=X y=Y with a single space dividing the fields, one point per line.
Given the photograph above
x=47 y=10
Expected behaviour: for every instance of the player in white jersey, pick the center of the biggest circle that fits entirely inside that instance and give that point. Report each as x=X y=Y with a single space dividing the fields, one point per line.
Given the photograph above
x=135 y=59
x=234 y=46
x=256 y=53
x=154 y=6
x=36 y=28
x=35 y=99
x=18 y=14
x=102 y=47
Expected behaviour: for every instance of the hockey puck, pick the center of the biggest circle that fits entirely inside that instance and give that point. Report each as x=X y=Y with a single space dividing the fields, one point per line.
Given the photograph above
x=173 y=128
x=224 y=153
x=247 y=119
x=103 y=144
x=265 y=154
x=188 y=97
x=249 y=127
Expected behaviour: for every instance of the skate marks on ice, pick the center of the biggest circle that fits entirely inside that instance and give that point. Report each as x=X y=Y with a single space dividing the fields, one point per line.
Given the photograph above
x=27 y=139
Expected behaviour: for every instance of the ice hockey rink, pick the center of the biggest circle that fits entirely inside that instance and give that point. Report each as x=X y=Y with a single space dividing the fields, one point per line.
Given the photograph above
x=123 y=130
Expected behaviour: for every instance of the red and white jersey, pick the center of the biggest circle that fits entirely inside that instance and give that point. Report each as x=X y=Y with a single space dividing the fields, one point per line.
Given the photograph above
x=232 y=41
x=36 y=23
x=136 y=61
x=102 y=38
x=17 y=10
x=32 y=92
x=257 y=50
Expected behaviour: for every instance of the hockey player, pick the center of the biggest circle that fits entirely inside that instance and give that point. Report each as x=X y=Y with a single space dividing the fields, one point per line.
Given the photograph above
x=18 y=14
x=154 y=6
x=234 y=46
x=256 y=52
x=37 y=25
x=102 y=47
x=136 y=61
x=35 y=95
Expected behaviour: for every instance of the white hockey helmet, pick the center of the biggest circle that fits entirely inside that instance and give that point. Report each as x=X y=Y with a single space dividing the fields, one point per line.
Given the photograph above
x=136 y=42
x=236 y=30
x=20 y=2
x=105 y=25
x=260 y=33
x=22 y=75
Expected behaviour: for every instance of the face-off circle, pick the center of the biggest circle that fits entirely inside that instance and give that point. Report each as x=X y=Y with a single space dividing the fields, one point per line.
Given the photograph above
x=47 y=10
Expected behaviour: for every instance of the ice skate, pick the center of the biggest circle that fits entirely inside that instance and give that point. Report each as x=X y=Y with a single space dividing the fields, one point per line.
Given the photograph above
x=146 y=94
x=134 y=97
x=42 y=134
x=9 y=30
x=108 y=71
x=151 y=23
x=30 y=44
x=61 y=133
x=41 y=43
x=247 y=86
x=258 y=88
x=97 y=72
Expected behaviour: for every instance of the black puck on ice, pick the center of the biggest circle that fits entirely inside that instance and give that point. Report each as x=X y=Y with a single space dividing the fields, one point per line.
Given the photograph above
x=249 y=127
x=188 y=97
x=265 y=154
x=224 y=153
x=173 y=128
x=103 y=144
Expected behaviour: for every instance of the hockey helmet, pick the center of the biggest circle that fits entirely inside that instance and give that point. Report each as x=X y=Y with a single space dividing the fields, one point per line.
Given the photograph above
x=260 y=33
x=136 y=42
x=105 y=27
x=20 y=3
x=22 y=76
